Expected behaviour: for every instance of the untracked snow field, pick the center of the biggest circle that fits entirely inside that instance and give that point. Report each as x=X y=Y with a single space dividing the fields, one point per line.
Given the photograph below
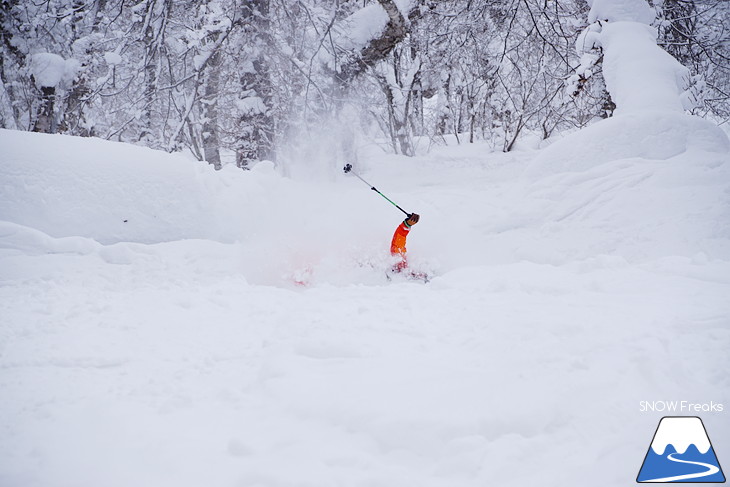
x=162 y=324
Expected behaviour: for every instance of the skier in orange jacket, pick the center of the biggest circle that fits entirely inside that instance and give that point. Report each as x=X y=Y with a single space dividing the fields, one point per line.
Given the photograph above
x=398 y=244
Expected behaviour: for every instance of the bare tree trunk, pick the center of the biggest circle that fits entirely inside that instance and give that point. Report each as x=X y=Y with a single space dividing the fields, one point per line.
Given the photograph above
x=391 y=114
x=154 y=33
x=607 y=104
x=211 y=144
x=257 y=140
x=8 y=47
x=150 y=74
x=73 y=120
x=442 y=125
x=518 y=128
x=417 y=103
x=398 y=119
x=45 y=121
x=402 y=124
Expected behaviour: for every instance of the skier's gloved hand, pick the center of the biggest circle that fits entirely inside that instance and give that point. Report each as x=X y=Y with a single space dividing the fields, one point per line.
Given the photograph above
x=412 y=219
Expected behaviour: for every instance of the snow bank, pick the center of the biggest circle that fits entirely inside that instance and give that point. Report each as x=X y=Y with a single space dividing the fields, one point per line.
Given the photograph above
x=282 y=232
x=654 y=135
x=112 y=192
x=107 y=191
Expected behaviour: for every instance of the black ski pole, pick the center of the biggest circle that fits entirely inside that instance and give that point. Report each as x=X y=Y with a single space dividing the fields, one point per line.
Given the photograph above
x=348 y=169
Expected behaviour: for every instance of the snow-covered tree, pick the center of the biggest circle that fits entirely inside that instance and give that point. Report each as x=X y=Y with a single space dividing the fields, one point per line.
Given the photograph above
x=696 y=33
x=239 y=82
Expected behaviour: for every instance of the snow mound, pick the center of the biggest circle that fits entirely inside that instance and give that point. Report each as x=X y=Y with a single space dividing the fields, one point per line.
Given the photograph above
x=653 y=135
x=71 y=186
x=34 y=242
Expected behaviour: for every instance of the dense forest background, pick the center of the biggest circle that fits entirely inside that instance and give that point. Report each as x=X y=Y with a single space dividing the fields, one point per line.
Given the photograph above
x=281 y=79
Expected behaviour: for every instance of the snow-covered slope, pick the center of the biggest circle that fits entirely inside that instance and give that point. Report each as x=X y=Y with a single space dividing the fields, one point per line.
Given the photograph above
x=177 y=348
x=106 y=191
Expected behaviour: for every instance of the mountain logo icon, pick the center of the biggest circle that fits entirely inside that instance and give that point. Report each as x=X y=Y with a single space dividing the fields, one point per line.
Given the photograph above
x=680 y=452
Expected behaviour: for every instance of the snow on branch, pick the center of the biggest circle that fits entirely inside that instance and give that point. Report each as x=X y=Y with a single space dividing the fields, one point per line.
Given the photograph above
x=53 y=71
x=375 y=35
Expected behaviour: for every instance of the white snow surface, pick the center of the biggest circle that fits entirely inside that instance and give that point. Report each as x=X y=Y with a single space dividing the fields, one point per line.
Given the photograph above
x=238 y=328
x=681 y=432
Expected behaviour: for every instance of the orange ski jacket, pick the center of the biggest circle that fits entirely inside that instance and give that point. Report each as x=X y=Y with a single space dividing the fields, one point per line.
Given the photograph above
x=398 y=244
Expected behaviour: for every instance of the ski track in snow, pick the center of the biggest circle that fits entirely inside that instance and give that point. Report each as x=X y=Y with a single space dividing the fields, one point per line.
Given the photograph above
x=560 y=301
